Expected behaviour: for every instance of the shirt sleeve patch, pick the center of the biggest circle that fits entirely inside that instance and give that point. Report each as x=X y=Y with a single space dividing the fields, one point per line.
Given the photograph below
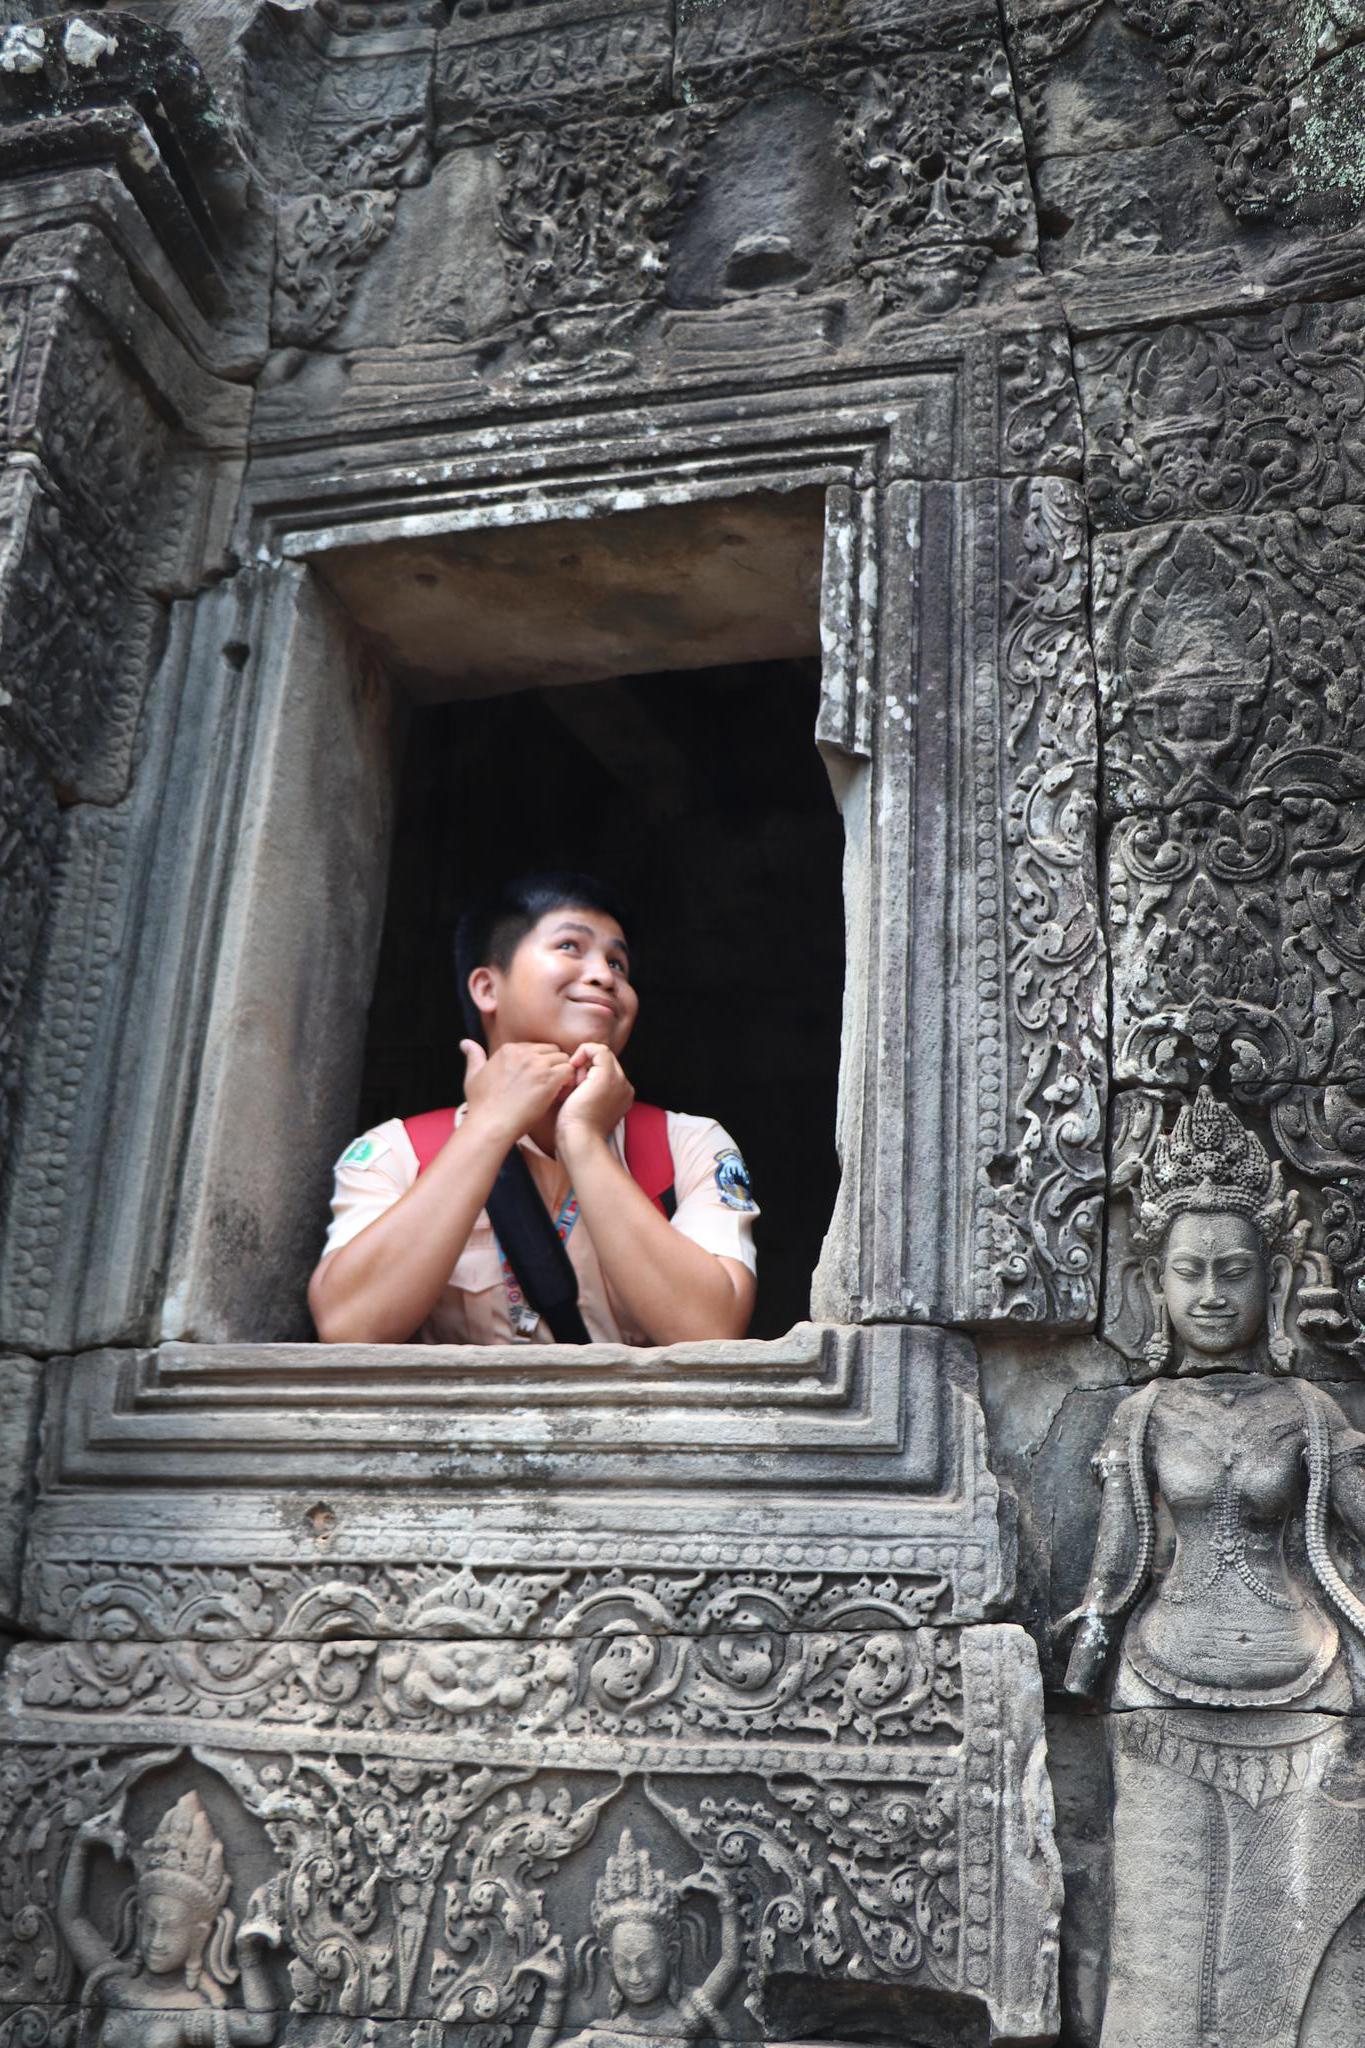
x=732 y=1181
x=364 y=1152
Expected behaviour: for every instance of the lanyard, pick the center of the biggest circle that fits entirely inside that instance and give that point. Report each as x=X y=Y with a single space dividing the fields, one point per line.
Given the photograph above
x=521 y=1315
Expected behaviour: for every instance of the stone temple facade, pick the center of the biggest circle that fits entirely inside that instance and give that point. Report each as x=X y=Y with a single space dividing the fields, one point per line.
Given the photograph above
x=975 y=1655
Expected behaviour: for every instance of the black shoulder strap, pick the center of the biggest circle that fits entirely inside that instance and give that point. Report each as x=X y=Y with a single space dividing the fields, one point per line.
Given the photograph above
x=533 y=1249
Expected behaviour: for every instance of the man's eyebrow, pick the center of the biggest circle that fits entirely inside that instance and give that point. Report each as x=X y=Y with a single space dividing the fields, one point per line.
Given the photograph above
x=570 y=924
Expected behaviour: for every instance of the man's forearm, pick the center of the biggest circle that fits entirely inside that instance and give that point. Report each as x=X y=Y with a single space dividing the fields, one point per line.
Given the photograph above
x=381 y=1287
x=674 y=1289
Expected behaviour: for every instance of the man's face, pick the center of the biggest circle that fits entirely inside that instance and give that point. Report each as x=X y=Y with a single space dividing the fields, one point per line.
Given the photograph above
x=568 y=984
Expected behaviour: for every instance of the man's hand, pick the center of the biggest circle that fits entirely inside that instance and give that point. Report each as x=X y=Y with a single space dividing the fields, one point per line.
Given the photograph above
x=511 y=1091
x=600 y=1099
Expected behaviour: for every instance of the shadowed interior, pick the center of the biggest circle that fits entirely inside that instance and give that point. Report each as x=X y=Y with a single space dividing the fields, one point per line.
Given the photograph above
x=702 y=796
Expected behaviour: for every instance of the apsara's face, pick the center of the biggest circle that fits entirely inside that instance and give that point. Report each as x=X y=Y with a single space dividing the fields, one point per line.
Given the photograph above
x=639 y=1960
x=568 y=984
x=1213 y=1278
x=170 y=1932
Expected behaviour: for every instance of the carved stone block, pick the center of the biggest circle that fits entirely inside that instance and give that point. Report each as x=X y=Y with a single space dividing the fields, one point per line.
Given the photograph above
x=584 y=208
x=713 y=41
x=1123 y=214
x=1238 y=944
x=324 y=242
x=370 y=122
x=546 y=61
x=1321 y=1132
x=440 y=276
x=135 y=99
x=1228 y=660
x=936 y=160
x=21 y=1394
x=466 y=1868
x=1225 y=416
x=76 y=645
x=1227 y=77
x=725 y=1440
x=127 y=988
x=1088 y=82
x=27 y=857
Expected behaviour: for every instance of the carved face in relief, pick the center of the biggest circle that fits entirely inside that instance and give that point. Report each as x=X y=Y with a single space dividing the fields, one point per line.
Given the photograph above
x=639 y=1960
x=1212 y=1276
x=171 y=1933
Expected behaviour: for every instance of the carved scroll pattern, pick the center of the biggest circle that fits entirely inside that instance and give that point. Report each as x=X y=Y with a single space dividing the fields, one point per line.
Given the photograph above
x=82 y=1598
x=1043 y=1216
x=752 y=1679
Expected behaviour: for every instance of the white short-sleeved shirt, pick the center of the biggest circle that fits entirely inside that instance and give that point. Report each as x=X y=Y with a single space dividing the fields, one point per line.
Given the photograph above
x=714 y=1208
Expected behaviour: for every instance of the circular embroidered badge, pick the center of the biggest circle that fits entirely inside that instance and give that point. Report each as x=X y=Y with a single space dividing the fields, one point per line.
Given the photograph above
x=732 y=1180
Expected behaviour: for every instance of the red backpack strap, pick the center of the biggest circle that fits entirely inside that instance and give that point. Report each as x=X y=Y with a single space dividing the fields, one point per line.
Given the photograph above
x=649 y=1157
x=427 y=1134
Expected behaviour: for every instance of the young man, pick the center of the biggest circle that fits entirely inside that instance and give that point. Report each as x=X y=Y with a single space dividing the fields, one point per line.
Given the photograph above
x=544 y=967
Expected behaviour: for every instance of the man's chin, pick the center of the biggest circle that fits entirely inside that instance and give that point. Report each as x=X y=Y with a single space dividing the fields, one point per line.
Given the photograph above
x=593 y=1028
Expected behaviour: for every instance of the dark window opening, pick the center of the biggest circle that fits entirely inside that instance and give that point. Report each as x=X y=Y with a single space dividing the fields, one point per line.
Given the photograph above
x=702 y=795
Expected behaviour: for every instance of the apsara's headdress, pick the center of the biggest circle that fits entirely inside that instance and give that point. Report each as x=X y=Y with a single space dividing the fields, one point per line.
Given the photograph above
x=185 y=1857
x=1210 y=1164
x=632 y=1887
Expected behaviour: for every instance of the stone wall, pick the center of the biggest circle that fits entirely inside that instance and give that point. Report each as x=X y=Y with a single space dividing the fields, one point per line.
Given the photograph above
x=454 y=1696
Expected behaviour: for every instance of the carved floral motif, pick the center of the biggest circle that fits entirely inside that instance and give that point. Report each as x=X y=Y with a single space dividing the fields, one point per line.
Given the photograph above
x=1230 y=657
x=73 y=641
x=1322 y=1133
x=583 y=209
x=936 y=163
x=424 y=1887
x=1040 y=407
x=28 y=847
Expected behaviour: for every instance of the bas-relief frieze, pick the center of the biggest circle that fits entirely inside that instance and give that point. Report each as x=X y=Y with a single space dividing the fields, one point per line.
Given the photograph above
x=95 y=1599
x=470 y=1887
x=555 y=1699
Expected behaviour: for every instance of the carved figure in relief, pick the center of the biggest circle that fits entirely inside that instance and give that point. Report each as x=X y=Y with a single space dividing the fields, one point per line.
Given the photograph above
x=164 y=1983
x=1239 y=1844
x=638 y=1930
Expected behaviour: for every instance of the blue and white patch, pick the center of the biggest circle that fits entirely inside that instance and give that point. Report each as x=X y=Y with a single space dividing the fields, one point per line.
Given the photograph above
x=732 y=1181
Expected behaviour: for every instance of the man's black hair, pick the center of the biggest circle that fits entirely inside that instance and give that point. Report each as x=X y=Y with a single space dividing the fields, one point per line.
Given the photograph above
x=495 y=924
